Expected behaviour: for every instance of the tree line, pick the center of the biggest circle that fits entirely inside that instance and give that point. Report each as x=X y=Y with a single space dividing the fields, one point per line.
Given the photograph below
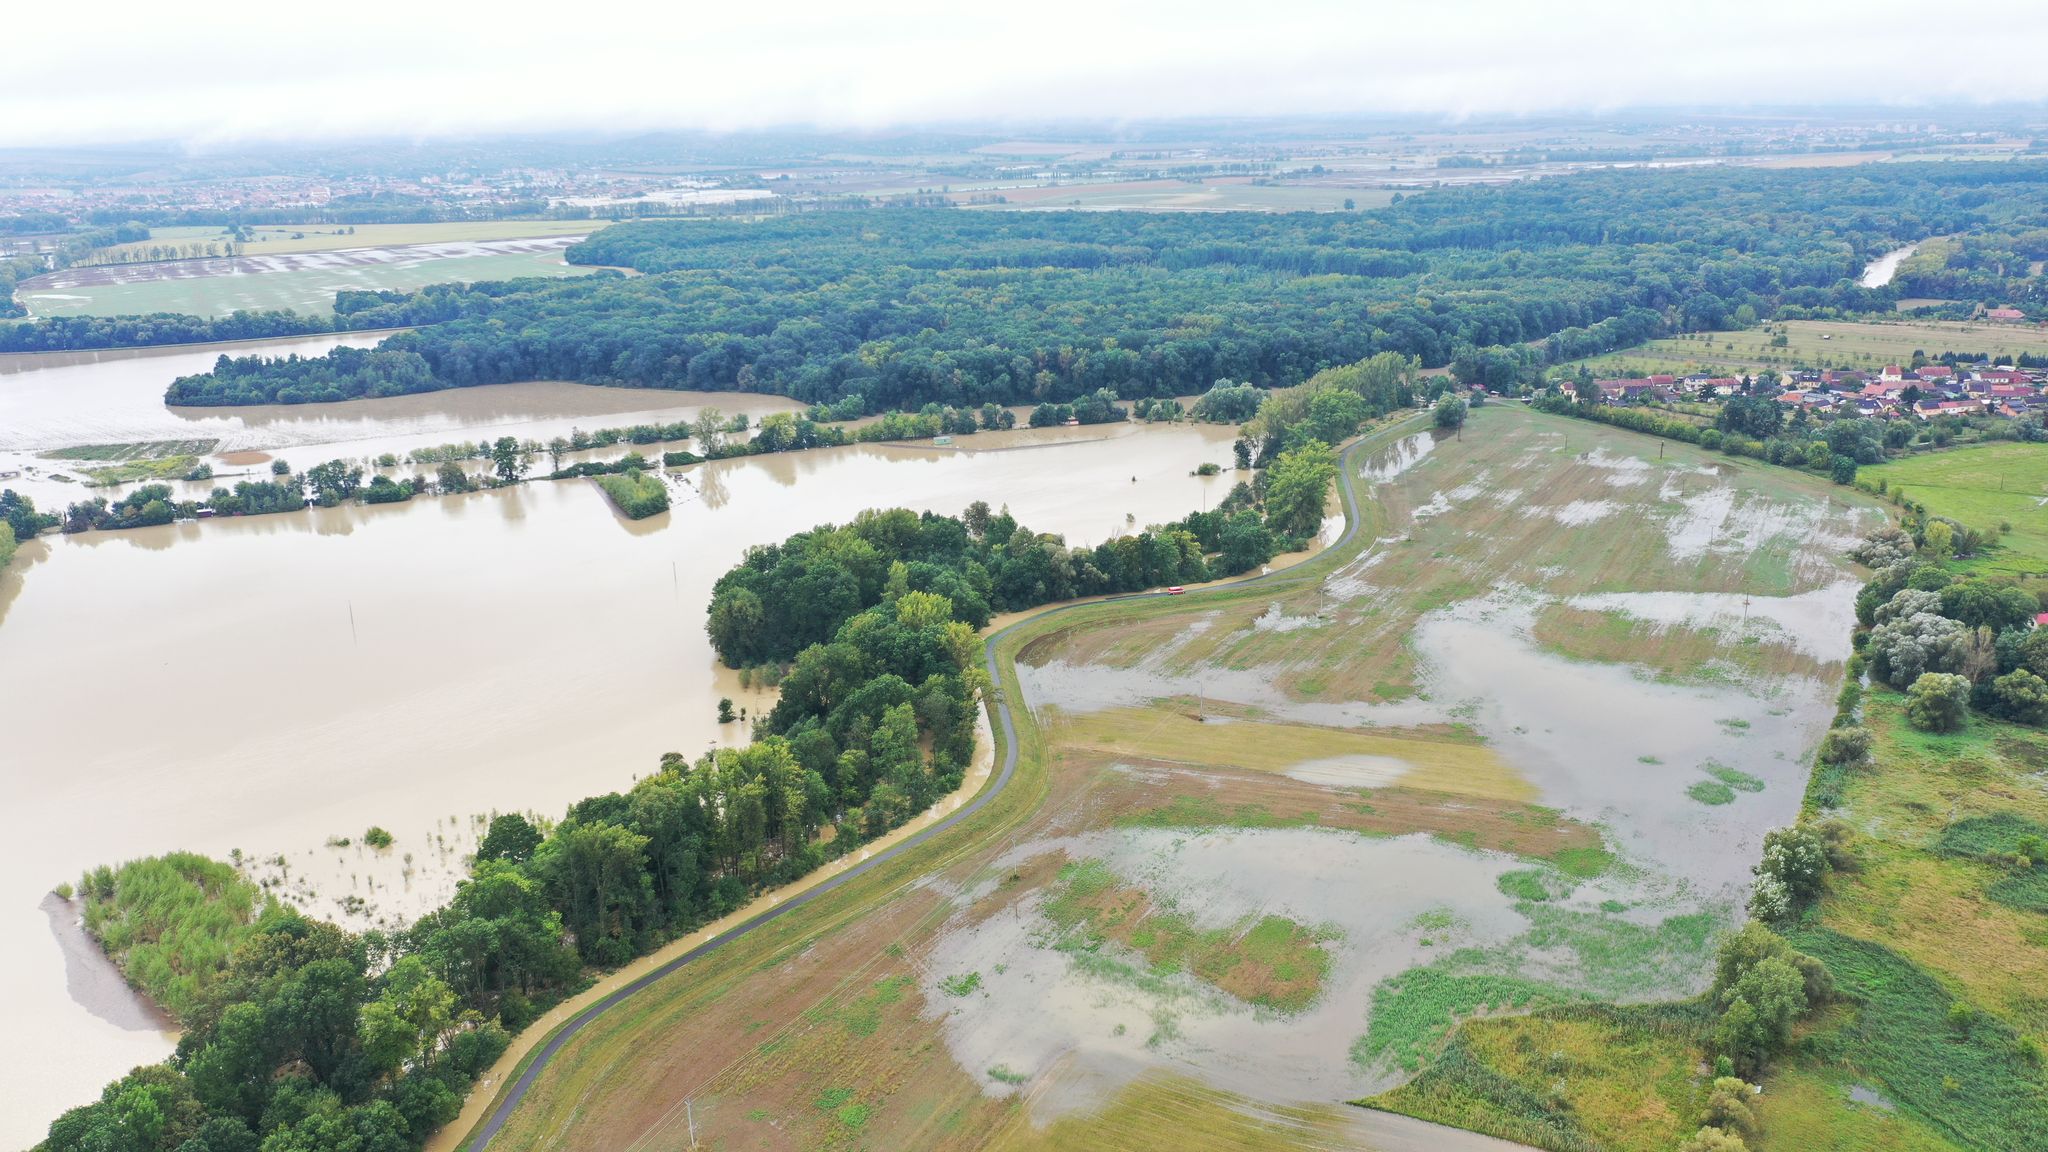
x=907 y=307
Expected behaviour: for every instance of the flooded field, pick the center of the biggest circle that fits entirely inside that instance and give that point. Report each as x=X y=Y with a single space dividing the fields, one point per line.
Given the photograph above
x=300 y=281
x=1499 y=752
x=266 y=684
x=1430 y=642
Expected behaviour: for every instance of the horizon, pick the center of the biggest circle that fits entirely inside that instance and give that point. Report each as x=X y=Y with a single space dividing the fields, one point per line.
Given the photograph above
x=924 y=67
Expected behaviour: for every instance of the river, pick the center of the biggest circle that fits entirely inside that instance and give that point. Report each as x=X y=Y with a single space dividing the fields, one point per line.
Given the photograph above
x=265 y=684
x=1879 y=272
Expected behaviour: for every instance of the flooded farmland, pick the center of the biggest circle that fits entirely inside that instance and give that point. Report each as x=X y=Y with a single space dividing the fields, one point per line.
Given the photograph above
x=266 y=684
x=1668 y=721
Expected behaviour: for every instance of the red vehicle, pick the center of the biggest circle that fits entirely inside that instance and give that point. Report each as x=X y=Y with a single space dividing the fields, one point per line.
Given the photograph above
x=1175 y=590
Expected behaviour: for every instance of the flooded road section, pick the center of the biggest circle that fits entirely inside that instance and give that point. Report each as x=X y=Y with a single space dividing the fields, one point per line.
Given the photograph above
x=264 y=684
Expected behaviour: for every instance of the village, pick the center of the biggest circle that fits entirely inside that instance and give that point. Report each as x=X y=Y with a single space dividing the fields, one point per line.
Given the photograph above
x=1928 y=391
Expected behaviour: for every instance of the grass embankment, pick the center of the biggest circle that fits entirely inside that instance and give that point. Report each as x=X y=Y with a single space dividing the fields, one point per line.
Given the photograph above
x=1820 y=344
x=170 y=923
x=1983 y=486
x=636 y=494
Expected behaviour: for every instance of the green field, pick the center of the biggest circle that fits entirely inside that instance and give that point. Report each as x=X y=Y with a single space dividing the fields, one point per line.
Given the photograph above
x=305 y=290
x=279 y=239
x=1821 y=344
x=1984 y=487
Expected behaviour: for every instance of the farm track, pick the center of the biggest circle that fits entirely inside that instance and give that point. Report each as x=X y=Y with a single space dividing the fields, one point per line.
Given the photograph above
x=515 y=1093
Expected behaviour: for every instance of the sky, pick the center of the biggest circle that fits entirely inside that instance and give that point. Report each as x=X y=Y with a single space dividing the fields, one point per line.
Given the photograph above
x=213 y=72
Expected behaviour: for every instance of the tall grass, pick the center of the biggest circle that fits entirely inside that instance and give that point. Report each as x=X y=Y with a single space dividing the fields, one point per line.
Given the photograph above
x=171 y=923
x=1966 y=1075
x=637 y=494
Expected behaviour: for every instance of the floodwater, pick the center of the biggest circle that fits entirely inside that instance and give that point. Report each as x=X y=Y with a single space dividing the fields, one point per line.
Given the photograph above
x=264 y=684
x=60 y=399
x=1879 y=272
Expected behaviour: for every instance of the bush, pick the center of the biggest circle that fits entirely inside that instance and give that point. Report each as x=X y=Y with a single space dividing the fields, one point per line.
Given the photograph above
x=377 y=837
x=2020 y=696
x=637 y=494
x=1728 y=1107
x=280 y=468
x=1711 y=1139
x=1938 y=702
x=1849 y=744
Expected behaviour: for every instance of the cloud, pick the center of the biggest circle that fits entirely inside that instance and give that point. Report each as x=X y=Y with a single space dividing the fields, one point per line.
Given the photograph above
x=234 y=70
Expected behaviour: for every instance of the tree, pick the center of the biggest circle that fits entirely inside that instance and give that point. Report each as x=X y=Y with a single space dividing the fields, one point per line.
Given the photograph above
x=510 y=837
x=280 y=467
x=1792 y=871
x=1938 y=702
x=1241 y=451
x=1761 y=987
x=2021 y=696
x=335 y=482
x=1712 y=1139
x=1298 y=488
x=725 y=712
x=507 y=460
x=1450 y=412
x=449 y=478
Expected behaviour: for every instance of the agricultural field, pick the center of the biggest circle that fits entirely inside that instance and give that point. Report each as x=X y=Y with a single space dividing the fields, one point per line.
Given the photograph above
x=303 y=282
x=1986 y=487
x=1821 y=344
x=283 y=239
x=1224 y=194
x=1268 y=845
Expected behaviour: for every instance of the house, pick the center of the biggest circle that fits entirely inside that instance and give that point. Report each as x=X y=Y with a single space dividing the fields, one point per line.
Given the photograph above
x=1891 y=372
x=2008 y=315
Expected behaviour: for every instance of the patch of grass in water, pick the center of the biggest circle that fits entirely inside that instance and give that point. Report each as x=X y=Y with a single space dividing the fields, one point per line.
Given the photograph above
x=1619 y=957
x=1583 y=863
x=1649 y=760
x=1003 y=1074
x=1711 y=792
x=1738 y=780
x=1535 y=885
x=964 y=984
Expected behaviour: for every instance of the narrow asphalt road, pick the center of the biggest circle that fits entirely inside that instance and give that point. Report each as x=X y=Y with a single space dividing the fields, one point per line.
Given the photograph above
x=481 y=1138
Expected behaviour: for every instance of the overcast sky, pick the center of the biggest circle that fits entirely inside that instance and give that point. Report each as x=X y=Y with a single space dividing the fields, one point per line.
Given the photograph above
x=220 y=71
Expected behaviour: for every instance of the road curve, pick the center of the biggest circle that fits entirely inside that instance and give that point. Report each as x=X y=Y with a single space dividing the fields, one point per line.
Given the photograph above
x=516 y=1094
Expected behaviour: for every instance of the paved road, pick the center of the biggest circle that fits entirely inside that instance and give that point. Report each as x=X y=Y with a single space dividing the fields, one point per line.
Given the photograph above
x=1347 y=473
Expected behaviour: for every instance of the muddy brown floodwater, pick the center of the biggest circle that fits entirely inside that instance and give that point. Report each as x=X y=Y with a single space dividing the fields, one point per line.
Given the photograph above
x=268 y=683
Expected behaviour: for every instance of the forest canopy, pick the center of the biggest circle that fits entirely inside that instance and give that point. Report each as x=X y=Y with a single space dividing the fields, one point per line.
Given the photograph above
x=903 y=307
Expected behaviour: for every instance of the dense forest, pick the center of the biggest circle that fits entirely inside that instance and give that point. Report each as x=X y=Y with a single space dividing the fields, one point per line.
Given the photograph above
x=906 y=307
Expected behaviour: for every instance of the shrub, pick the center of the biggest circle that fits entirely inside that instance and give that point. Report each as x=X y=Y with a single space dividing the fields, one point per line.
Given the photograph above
x=378 y=838
x=637 y=494
x=1849 y=744
x=280 y=468
x=1938 y=702
x=1711 y=1139
x=1728 y=1107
